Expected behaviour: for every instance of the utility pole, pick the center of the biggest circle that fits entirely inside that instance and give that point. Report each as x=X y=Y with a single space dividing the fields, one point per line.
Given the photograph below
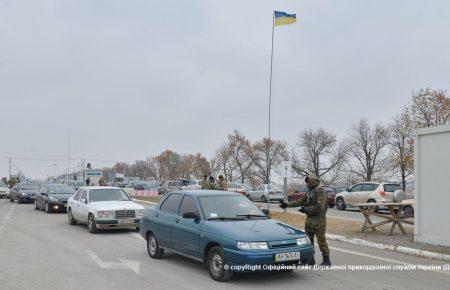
x=68 y=159
x=9 y=167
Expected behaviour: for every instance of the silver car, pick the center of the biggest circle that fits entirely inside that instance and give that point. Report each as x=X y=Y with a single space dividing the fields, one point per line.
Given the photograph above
x=4 y=190
x=264 y=193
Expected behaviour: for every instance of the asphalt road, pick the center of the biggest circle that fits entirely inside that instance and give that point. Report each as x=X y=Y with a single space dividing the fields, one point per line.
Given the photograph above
x=42 y=251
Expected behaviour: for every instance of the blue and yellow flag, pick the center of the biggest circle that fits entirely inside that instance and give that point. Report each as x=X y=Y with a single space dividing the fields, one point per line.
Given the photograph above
x=282 y=18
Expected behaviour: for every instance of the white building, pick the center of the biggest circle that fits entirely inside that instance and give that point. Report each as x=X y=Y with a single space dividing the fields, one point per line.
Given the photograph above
x=432 y=185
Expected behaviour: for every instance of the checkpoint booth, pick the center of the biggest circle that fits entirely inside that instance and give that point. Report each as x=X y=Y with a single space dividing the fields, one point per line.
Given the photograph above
x=432 y=185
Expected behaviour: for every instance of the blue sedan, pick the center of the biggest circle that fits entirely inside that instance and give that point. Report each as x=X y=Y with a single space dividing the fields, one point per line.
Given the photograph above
x=224 y=230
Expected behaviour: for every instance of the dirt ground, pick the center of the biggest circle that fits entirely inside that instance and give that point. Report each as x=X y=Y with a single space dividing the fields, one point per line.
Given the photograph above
x=352 y=229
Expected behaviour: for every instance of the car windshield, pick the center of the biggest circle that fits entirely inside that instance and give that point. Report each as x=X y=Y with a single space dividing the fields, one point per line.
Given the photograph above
x=61 y=189
x=228 y=206
x=28 y=187
x=107 y=194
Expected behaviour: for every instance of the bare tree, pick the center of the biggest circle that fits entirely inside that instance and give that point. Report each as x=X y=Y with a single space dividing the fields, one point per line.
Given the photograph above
x=169 y=163
x=266 y=155
x=429 y=108
x=239 y=148
x=320 y=154
x=224 y=161
x=401 y=141
x=367 y=144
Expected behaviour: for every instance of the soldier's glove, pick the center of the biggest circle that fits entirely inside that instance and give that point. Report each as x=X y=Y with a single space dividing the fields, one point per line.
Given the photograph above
x=302 y=209
x=284 y=205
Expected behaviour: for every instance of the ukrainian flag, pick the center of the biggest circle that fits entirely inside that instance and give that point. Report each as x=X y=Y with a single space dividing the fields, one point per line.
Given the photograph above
x=282 y=18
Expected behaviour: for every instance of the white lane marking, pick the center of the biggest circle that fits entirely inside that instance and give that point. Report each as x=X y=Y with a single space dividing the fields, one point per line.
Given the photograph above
x=381 y=259
x=8 y=216
x=123 y=264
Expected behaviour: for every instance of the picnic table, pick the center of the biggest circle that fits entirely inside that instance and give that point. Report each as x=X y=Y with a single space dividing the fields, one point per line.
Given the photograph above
x=394 y=217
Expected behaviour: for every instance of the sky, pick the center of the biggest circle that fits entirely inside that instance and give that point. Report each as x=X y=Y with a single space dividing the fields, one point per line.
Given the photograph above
x=130 y=79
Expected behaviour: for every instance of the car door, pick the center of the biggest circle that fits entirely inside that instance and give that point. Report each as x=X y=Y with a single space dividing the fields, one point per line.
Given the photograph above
x=165 y=218
x=74 y=203
x=40 y=197
x=83 y=208
x=186 y=231
x=367 y=192
x=352 y=194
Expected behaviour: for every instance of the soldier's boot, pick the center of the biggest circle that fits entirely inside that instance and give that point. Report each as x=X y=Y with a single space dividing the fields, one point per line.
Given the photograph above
x=326 y=261
x=312 y=262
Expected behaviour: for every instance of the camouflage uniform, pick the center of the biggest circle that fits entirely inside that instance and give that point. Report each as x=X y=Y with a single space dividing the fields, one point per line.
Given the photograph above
x=205 y=183
x=210 y=185
x=222 y=184
x=315 y=204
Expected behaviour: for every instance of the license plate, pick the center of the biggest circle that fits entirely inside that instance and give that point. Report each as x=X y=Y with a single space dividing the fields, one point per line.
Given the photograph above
x=126 y=221
x=291 y=256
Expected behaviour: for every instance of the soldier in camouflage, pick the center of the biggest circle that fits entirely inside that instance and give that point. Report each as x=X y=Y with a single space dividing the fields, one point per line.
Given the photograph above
x=314 y=205
x=222 y=184
x=211 y=184
x=205 y=181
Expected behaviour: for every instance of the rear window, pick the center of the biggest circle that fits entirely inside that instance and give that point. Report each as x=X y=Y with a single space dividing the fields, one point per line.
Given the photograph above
x=391 y=187
x=327 y=189
x=170 y=205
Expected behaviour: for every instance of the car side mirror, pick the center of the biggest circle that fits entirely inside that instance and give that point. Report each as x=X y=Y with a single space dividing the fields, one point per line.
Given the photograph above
x=265 y=211
x=190 y=215
x=83 y=201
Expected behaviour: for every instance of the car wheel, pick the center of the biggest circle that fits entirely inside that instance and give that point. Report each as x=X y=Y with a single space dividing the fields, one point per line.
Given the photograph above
x=264 y=199
x=408 y=211
x=217 y=265
x=72 y=220
x=91 y=224
x=331 y=205
x=374 y=208
x=153 y=248
x=36 y=207
x=19 y=200
x=340 y=203
x=47 y=208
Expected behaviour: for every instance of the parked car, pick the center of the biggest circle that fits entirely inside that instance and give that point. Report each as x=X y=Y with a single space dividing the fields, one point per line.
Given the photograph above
x=298 y=194
x=169 y=186
x=369 y=192
x=337 y=188
x=223 y=230
x=264 y=192
x=53 y=197
x=237 y=187
x=192 y=184
x=102 y=207
x=4 y=190
x=23 y=192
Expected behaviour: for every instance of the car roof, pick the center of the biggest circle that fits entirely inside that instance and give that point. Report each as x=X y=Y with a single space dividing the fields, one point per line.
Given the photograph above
x=208 y=192
x=99 y=187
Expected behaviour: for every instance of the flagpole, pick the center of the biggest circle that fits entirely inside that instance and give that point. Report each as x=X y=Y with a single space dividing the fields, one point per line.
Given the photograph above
x=270 y=103
x=271 y=65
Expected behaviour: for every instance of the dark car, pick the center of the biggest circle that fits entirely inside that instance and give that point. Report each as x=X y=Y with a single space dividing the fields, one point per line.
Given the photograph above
x=224 y=230
x=23 y=192
x=53 y=197
x=298 y=194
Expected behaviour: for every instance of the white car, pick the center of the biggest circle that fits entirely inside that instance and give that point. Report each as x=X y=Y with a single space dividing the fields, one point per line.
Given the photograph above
x=264 y=192
x=102 y=207
x=369 y=192
x=237 y=187
x=193 y=184
x=4 y=190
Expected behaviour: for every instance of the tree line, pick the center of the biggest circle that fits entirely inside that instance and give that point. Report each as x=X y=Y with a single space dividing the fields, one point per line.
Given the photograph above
x=369 y=152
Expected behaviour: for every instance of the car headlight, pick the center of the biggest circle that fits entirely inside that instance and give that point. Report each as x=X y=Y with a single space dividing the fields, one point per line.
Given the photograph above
x=105 y=213
x=303 y=241
x=139 y=212
x=51 y=198
x=252 y=245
